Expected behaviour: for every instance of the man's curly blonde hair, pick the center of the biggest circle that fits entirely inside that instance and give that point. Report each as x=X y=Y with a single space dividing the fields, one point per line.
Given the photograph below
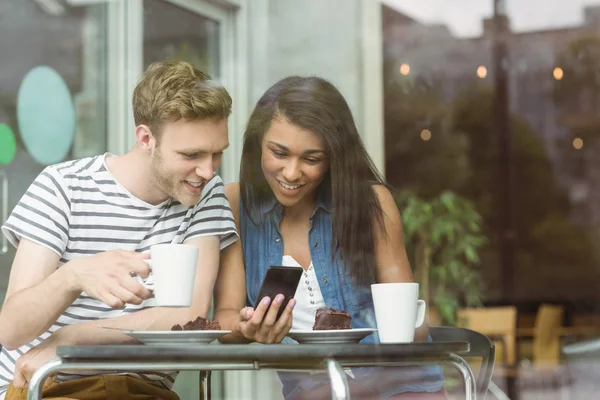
x=171 y=90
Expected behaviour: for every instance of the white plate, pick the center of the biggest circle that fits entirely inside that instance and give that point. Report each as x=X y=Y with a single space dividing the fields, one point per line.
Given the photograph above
x=331 y=336
x=175 y=338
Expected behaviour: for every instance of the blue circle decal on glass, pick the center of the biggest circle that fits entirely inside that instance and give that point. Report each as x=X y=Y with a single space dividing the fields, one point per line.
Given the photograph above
x=46 y=115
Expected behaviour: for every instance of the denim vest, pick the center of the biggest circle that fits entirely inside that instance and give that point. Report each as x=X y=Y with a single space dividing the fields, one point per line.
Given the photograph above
x=262 y=245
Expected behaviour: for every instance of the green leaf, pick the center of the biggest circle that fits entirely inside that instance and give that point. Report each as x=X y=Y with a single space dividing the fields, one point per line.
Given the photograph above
x=448 y=200
x=471 y=254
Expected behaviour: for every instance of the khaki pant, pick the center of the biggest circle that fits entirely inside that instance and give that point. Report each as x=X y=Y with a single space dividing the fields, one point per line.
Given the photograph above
x=101 y=387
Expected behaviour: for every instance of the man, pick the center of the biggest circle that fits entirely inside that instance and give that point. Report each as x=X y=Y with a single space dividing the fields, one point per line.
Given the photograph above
x=84 y=228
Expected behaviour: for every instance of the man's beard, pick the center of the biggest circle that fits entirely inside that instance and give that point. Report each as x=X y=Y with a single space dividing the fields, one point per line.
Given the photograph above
x=168 y=183
x=160 y=177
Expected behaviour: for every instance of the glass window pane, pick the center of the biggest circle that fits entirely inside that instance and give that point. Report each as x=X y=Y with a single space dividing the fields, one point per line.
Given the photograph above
x=174 y=32
x=53 y=77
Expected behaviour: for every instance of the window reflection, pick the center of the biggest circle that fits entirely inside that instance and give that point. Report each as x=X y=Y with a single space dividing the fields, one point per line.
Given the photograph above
x=546 y=184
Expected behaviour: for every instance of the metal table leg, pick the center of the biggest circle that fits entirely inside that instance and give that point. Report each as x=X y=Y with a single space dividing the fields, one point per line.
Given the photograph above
x=36 y=384
x=467 y=373
x=339 y=383
x=205 y=385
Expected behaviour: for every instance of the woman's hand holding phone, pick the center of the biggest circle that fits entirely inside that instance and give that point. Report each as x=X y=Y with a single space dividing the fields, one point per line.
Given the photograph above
x=261 y=324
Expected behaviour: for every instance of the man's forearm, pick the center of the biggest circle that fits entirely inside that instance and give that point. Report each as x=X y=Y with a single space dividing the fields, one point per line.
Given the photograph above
x=152 y=319
x=155 y=319
x=28 y=313
x=44 y=303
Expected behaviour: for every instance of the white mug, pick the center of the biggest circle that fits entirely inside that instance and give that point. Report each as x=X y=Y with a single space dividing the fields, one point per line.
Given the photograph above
x=173 y=274
x=398 y=311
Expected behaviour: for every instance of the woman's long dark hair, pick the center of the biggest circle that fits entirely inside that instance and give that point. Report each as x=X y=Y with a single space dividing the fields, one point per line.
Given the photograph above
x=316 y=105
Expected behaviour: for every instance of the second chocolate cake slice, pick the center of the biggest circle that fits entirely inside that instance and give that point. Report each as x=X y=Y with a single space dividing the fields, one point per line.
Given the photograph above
x=199 y=324
x=330 y=319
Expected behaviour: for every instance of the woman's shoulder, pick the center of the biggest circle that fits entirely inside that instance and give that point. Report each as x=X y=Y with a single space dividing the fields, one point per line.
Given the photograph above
x=232 y=191
x=387 y=202
x=384 y=195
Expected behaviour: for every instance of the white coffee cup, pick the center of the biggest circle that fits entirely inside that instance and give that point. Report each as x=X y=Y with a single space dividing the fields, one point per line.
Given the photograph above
x=398 y=311
x=173 y=274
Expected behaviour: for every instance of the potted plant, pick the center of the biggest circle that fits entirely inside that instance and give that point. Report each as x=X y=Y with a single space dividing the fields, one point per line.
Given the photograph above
x=443 y=237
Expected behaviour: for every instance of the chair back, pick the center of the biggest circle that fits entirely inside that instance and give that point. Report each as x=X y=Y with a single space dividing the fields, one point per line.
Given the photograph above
x=546 y=339
x=498 y=324
x=480 y=346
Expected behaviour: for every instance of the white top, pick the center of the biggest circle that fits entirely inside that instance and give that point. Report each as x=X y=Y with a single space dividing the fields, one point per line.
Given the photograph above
x=308 y=296
x=77 y=209
x=308 y=299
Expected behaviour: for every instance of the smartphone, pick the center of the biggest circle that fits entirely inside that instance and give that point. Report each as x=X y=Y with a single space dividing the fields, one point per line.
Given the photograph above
x=280 y=280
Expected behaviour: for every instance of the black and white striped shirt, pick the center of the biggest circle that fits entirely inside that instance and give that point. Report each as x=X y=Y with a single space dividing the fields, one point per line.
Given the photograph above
x=77 y=209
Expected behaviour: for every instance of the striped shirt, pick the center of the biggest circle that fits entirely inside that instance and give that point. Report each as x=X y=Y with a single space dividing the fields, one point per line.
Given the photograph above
x=77 y=209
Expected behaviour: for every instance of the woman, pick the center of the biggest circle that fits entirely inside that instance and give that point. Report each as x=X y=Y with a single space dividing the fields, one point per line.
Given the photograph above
x=309 y=195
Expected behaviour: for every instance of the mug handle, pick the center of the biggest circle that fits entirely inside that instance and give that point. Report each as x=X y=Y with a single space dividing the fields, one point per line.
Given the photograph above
x=421 y=307
x=149 y=286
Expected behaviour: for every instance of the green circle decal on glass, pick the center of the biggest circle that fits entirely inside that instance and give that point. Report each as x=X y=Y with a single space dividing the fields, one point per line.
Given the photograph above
x=46 y=115
x=8 y=144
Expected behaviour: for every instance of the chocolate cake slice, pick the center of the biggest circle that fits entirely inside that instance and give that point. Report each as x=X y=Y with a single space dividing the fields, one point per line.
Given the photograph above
x=199 y=324
x=328 y=318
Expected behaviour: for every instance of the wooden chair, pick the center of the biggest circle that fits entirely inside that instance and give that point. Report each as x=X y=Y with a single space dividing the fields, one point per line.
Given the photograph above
x=545 y=336
x=545 y=369
x=500 y=325
x=497 y=323
x=546 y=339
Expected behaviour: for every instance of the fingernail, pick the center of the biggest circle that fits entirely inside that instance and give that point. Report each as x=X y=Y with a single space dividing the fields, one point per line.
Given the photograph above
x=266 y=301
x=292 y=303
x=248 y=313
x=279 y=298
